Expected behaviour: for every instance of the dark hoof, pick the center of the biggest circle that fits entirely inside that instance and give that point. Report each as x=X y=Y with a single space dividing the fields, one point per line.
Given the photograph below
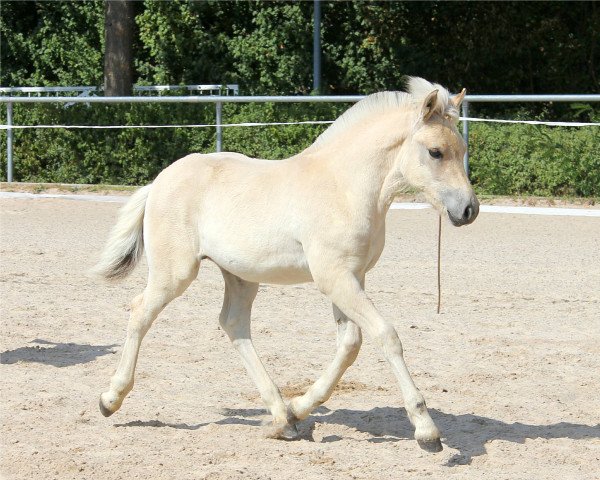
x=431 y=446
x=290 y=432
x=103 y=410
x=282 y=432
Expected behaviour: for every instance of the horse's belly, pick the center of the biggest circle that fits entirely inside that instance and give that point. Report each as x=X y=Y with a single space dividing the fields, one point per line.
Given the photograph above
x=276 y=274
x=262 y=264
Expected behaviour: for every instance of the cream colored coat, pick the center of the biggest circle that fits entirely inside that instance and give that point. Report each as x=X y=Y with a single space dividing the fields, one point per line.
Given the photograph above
x=318 y=216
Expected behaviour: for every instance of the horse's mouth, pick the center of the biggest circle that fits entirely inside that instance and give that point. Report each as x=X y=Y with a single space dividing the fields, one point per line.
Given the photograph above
x=458 y=214
x=467 y=216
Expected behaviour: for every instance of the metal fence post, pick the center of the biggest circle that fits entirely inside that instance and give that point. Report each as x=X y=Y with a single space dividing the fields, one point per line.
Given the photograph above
x=219 y=107
x=9 y=142
x=465 y=114
x=317 y=46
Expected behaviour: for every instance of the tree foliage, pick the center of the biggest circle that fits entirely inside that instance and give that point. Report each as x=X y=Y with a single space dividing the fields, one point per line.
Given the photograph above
x=51 y=43
x=499 y=47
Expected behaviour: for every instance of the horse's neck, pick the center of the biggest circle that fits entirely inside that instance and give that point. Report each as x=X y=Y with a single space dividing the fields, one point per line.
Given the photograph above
x=363 y=166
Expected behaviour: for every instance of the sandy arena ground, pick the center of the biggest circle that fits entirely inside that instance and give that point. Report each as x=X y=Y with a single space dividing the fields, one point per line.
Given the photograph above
x=510 y=368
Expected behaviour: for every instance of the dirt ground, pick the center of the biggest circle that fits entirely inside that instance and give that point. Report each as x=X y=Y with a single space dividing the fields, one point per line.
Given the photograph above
x=510 y=368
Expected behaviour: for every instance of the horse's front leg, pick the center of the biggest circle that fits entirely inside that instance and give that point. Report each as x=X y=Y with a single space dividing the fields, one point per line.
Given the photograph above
x=349 y=340
x=346 y=292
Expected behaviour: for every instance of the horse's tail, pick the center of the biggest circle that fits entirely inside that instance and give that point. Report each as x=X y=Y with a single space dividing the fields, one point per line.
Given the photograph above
x=125 y=244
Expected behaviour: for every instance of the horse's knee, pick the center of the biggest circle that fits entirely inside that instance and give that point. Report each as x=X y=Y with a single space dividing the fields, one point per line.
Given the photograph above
x=351 y=342
x=388 y=339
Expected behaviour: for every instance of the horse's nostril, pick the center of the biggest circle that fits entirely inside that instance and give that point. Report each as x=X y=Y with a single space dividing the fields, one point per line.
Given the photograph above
x=468 y=213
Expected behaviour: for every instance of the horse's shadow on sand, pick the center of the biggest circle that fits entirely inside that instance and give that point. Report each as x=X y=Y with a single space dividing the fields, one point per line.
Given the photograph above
x=55 y=354
x=466 y=433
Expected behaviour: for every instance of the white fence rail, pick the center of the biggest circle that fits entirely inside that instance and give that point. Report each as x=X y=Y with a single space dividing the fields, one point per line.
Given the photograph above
x=211 y=89
x=219 y=100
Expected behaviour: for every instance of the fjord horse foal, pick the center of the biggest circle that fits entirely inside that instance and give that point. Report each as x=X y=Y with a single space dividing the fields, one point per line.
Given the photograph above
x=318 y=216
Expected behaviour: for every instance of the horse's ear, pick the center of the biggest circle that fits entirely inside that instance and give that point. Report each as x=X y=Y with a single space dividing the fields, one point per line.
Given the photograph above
x=429 y=105
x=458 y=99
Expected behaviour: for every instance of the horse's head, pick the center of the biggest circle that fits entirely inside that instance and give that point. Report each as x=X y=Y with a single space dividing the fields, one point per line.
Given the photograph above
x=431 y=159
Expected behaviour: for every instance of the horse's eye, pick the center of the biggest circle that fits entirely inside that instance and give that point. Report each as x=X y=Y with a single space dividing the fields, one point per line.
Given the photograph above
x=435 y=153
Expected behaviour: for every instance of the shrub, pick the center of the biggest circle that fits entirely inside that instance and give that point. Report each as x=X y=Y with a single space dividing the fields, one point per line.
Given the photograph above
x=505 y=159
x=535 y=160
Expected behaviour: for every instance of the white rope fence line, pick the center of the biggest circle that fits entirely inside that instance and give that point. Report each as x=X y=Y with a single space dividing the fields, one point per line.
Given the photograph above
x=207 y=125
x=533 y=122
x=307 y=122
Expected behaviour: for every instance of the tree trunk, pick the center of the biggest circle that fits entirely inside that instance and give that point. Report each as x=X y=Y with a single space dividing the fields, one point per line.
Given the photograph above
x=118 y=59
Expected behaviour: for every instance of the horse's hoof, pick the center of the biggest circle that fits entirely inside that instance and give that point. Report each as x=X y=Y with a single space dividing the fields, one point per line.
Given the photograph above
x=290 y=432
x=103 y=410
x=282 y=431
x=431 y=446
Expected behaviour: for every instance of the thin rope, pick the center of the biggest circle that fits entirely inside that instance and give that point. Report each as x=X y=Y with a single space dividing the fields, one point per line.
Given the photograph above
x=532 y=122
x=439 y=261
x=266 y=124
x=203 y=125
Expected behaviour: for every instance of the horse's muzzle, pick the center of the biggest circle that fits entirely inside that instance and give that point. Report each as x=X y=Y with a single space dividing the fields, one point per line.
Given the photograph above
x=462 y=211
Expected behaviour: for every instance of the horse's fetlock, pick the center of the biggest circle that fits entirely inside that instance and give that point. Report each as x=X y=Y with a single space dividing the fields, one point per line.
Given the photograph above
x=321 y=397
x=120 y=387
x=292 y=417
x=296 y=411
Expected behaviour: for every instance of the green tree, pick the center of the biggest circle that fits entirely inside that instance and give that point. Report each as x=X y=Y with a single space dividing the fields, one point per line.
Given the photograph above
x=185 y=42
x=51 y=43
x=273 y=53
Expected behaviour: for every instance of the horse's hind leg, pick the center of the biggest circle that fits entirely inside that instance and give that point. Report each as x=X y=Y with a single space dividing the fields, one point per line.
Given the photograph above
x=168 y=278
x=235 y=320
x=349 y=340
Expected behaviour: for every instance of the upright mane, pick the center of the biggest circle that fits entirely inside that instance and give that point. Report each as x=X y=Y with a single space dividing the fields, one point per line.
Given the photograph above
x=381 y=102
x=419 y=88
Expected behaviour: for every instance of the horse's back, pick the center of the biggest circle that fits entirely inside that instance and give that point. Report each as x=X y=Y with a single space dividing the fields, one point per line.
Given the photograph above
x=232 y=209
